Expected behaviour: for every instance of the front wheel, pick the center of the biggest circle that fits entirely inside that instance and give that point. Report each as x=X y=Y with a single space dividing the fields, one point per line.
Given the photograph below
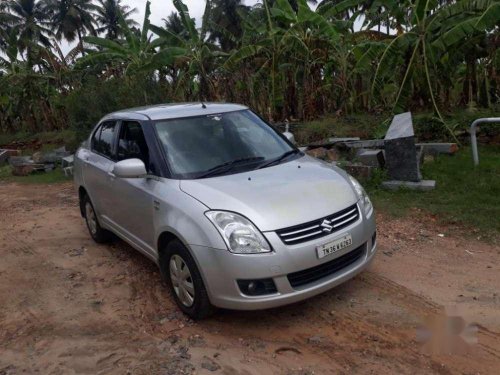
x=180 y=271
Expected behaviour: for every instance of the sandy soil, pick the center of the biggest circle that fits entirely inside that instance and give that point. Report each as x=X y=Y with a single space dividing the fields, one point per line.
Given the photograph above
x=68 y=305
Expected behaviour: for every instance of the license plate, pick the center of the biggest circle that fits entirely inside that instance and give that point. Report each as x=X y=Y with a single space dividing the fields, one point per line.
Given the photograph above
x=334 y=246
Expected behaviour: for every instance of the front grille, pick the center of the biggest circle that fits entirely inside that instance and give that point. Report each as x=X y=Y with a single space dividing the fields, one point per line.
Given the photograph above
x=314 y=229
x=310 y=275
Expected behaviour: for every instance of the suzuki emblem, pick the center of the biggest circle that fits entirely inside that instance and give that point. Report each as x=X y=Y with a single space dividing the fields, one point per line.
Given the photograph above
x=327 y=226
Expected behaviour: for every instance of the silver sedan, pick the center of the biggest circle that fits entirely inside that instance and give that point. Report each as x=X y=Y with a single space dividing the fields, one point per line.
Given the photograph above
x=234 y=215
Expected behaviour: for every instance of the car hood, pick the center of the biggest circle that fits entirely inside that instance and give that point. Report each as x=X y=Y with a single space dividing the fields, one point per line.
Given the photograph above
x=277 y=197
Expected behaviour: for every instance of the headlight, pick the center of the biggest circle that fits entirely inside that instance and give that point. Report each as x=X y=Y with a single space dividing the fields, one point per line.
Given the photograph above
x=362 y=196
x=240 y=235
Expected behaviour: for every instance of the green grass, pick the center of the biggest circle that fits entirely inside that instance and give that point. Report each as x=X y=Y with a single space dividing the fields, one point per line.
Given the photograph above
x=52 y=177
x=464 y=194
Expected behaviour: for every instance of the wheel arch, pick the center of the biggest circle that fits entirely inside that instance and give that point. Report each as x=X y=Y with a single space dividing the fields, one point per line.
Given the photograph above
x=166 y=236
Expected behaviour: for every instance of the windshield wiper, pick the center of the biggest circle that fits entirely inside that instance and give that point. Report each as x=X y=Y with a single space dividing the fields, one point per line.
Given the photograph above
x=227 y=166
x=279 y=158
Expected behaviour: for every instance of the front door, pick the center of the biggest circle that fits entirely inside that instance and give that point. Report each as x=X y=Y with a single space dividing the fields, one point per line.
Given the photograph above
x=133 y=198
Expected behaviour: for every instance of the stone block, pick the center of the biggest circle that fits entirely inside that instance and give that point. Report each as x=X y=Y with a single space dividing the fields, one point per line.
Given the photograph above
x=19 y=160
x=422 y=185
x=401 y=157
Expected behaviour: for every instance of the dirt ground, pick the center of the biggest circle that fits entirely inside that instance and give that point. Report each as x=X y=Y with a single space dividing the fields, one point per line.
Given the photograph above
x=68 y=305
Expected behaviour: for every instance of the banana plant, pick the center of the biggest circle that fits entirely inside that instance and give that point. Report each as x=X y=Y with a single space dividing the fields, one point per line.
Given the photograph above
x=198 y=57
x=284 y=41
x=136 y=53
x=420 y=48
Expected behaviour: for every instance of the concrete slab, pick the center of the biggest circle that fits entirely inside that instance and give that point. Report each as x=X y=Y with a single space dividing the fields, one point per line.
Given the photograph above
x=439 y=148
x=332 y=141
x=422 y=185
x=369 y=143
x=5 y=154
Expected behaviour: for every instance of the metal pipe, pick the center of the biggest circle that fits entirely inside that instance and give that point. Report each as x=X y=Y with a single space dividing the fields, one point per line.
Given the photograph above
x=473 y=139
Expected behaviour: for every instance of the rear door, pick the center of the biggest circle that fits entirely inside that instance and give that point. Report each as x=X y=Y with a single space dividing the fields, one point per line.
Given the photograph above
x=99 y=164
x=133 y=198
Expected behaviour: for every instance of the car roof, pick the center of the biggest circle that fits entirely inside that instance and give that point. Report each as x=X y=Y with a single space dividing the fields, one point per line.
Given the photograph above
x=171 y=111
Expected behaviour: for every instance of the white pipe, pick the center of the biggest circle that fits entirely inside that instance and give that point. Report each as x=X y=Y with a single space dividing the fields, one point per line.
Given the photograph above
x=473 y=139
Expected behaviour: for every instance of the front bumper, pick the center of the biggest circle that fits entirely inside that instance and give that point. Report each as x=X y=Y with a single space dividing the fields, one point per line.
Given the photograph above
x=221 y=269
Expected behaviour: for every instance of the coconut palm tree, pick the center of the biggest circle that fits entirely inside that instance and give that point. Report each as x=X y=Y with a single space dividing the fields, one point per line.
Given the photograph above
x=173 y=24
x=71 y=19
x=31 y=22
x=226 y=22
x=136 y=53
x=107 y=16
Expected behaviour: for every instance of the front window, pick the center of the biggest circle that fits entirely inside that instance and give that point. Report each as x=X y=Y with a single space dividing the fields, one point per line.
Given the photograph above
x=219 y=144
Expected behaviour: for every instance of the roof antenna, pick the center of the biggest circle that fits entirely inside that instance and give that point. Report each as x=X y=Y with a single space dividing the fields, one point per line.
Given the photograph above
x=203 y=105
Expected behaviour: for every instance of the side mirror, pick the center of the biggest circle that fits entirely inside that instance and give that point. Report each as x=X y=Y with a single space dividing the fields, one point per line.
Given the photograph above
x=130 y=168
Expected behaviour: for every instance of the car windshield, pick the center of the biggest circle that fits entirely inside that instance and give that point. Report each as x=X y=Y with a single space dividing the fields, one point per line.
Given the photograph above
x=218 y=144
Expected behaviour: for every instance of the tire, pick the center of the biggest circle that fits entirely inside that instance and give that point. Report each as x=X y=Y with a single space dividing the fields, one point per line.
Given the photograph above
x=97 y=233
x=179 y=270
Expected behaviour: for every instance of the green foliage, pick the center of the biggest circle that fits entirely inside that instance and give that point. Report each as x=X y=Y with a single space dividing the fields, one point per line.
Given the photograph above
x=86 y=107
x=280 y=57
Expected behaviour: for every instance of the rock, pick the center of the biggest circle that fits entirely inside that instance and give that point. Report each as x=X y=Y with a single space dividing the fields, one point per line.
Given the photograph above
x=209 y=364
x=373 y=158
x=183 y=352
x=319 y=153
x=362 y=172
x=26 y=169
x=37 y=157
x=332 y=155
x=314 y=340
x=423 y=185
x=400 y=150
x=196 y=340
